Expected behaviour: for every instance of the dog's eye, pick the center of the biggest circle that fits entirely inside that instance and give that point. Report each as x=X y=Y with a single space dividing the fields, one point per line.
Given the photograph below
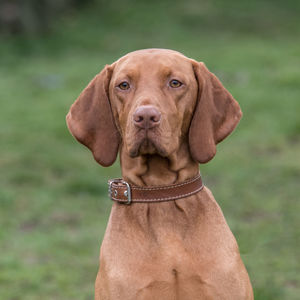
x=175 y=83
x=124 y=85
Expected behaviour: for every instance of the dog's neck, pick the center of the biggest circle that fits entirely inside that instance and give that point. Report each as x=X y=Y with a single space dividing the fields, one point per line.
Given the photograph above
x=155 y=170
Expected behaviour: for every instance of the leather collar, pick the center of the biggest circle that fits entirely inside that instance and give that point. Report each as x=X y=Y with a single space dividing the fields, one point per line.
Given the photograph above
x=123 y=192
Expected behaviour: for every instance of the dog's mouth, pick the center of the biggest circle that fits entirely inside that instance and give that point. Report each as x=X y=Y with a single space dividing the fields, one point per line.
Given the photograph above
x=146 y=142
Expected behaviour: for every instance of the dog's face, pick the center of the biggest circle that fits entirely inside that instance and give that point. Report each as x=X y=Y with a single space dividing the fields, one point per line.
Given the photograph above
x=150 y=101
x=153 y=95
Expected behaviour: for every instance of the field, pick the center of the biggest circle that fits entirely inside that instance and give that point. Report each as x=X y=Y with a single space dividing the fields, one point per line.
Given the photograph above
x=53 y=196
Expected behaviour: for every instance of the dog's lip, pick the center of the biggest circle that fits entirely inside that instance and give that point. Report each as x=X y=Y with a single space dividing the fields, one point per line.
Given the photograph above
x=145 y=136
x=134 y=151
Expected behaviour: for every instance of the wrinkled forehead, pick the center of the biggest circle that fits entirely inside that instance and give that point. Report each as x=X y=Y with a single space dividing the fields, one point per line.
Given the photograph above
x=164 y=62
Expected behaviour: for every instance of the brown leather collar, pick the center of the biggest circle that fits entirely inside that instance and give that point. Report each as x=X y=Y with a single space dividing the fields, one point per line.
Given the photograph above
x=122 y=192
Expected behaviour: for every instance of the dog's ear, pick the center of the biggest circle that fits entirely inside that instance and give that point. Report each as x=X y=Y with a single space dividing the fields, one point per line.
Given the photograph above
x=91 y=122
x=215 y=117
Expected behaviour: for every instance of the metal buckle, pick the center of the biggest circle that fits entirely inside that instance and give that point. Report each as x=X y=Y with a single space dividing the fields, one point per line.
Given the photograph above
x=127 y=193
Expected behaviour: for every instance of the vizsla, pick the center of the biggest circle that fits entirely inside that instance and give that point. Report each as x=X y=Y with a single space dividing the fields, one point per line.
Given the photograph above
x=164 y=113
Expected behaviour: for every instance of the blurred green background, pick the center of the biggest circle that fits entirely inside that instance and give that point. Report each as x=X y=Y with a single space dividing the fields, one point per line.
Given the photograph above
x=53 y=196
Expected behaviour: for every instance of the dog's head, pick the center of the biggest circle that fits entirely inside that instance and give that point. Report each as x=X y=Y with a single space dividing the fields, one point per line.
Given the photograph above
x=149 y=102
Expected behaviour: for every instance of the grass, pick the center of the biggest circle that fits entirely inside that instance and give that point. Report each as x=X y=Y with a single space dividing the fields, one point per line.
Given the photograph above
x=53 y=203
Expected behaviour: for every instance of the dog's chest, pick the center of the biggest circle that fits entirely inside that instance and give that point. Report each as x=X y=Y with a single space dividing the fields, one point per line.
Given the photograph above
x=172 y=270
x=179 y=256
x=163 y=263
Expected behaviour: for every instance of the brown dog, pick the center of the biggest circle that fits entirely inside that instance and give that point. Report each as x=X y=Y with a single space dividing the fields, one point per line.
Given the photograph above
x=165 y=113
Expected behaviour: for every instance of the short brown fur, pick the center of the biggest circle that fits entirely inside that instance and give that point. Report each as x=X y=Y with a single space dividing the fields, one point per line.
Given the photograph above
x=181 y=249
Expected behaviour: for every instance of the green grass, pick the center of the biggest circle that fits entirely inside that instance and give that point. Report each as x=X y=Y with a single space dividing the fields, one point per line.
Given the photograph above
x=53 y=203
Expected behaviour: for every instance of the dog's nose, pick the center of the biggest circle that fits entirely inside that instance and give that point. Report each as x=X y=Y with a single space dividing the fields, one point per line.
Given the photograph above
x=146 y=117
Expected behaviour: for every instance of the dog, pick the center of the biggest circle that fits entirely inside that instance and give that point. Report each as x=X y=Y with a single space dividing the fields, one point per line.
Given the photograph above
x=166 y=237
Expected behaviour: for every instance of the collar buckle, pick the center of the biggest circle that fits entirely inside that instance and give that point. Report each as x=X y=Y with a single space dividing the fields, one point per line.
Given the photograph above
x=113 y=193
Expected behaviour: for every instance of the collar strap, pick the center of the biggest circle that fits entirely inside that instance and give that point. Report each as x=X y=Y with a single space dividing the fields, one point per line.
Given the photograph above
x=123 y=192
